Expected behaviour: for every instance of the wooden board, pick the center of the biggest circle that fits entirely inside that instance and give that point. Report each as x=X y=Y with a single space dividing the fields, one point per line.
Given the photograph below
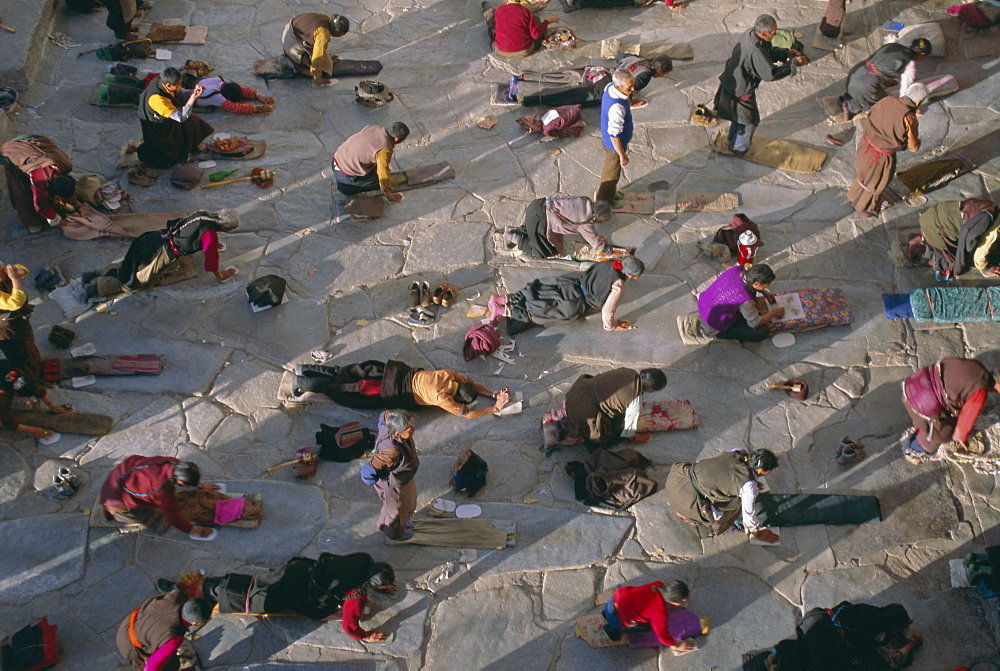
x=82 y=423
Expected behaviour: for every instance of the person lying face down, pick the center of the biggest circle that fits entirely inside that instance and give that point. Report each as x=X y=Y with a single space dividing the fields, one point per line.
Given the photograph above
x=393 y=384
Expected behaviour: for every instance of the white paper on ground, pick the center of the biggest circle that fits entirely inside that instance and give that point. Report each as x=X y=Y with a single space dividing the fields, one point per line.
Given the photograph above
x=468 y=511
x=163 y=55
x=83 y=381
x=793 y=306
x=53 y=439
x=84 y=350
x=959 y=574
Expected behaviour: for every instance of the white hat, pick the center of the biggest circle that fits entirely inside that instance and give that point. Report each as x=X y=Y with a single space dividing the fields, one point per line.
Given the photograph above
x=917 y=92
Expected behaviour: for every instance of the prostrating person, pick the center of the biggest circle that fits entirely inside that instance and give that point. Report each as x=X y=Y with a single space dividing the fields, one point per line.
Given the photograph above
x=37 y=174
x=361 y=163
x=891 y=126
x=568 y=297
x=891 y=64
x=729 y=307
x=306 y=39
x=550 y=226
x=14 y=382
x=150 y=636
x=171 y=132
x=754 y=60
x=153 y=251
x=648 y=608
x=227 y=95
x=604 y=409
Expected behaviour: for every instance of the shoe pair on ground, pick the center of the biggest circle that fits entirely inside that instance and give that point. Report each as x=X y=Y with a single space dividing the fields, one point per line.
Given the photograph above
x=421 y=294
x=849 y=451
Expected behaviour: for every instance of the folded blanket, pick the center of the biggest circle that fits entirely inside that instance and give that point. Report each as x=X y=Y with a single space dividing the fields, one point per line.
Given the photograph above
x=694 y=201
x=956 y=304
x=481 y=339
x=779 y=154
x=820 y=307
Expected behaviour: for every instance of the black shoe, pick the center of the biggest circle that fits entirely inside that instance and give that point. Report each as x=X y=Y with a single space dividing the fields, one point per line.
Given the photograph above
x=90 y=292
x=163 y=585
x=299 y=386
x=89 y=276
x=613 y=633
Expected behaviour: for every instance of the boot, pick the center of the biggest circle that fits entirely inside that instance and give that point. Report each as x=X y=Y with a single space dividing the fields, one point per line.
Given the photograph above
x=724 y=523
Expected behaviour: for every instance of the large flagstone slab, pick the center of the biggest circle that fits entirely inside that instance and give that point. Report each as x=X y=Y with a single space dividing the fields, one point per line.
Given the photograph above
x=41 y=554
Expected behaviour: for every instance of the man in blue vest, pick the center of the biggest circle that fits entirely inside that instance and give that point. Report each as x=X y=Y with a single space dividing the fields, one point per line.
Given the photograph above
x=616 y=131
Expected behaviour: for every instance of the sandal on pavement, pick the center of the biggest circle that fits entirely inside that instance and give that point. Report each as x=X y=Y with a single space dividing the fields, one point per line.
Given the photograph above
x=450 y=296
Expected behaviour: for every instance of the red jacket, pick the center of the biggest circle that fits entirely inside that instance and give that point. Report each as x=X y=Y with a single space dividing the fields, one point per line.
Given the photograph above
x=517 y=28
x=144 y=475
x=644 y=605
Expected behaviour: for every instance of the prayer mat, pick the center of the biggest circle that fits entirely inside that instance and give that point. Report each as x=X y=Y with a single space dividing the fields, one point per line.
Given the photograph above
x=926 y=177
x=456 y=533
x=956 y=304
x=796 y=510
x=897 y=306
x=280 y=68
x=690 y=329
x=679 y=52
x=259 y=146
x=694 y=201
x=835 y=111
x=422 y=176
x=812 y=309
x=98 y=521
x=634 y=202
x=681 y=623
x=81 y=423
x=253 y=498
x=363 y=208
x=819 y=41
x=591 y=629
x=657 y=415
x=71 y=299
x=778 y=154
x=159 y=32
x=69 y=368
x=501 y=97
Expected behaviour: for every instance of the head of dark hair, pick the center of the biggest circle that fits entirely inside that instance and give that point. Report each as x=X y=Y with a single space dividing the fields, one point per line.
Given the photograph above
x=758 y=272
x=232 y=92
x=675 y=591
x=633 y=267
x=652 y=379
x=765 y=23
x=63 y=186
x=922 y=46
x=187 y=473
x=188 y=80
x=762 y=460
x=381 y=575
x=197 y=611
x=339 y=24
x=895 y=618
x=398 y=131
x=170 y=76
x=661 y=64
x=466 y=393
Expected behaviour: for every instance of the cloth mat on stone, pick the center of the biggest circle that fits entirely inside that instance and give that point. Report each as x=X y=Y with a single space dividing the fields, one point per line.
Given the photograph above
x=81 y=423
x=591 y=629
x=634 y=202
x=819 y=41
x=897 y=306
x=778 y=154
x=71 y=298
x=159 y=32
x=259 y=146
x=835 y=111
x=88 y=223
x=926 y=177
x=678 y=52
x=681 y=623
x=280 y=68
x=422 y=176
x=98 y=521
x=792 y=510
x=690 y=330
x=694 y=201
x=362 y=207
x=100 y=98
x=657 y=415
x=501 y=97
x=820 y=307
x=956 y=304
x=456 y=533
x=124 y=364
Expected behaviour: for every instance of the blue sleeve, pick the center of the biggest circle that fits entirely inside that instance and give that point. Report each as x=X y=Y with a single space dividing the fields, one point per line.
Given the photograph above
x=369 y=475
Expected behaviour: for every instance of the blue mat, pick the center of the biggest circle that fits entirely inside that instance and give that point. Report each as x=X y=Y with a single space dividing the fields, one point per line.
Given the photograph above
x=897 y=306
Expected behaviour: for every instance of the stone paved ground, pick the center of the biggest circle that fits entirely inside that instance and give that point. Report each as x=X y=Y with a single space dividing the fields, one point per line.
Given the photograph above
x=513 y=608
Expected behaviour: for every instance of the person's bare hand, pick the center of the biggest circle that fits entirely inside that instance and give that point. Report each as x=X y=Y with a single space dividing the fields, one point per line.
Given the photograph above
x=388 y=589
x=375 y=637
x=60 y=409
x=767 y=536
x=686 y=645
x=393 y=197
x=503 y=396
x=917 y=639
x=623 y=159
x=201 y=532
x=211 y=486
x=778 y=313
x=994 y=271
x=36 y=431
x=640 y=438
x=12 y=273
x=920 y=112
x=323 y=81
x=266 y=100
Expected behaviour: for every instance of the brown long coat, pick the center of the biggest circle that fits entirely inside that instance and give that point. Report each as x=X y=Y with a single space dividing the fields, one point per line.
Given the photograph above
x=595 y=404
x=891 y=126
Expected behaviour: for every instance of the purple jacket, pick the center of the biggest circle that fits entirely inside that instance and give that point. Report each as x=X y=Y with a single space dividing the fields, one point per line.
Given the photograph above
x=720 y=303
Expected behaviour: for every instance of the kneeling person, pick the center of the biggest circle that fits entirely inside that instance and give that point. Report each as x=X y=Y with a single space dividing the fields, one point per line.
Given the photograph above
x=603 y=409
x=151 y=635
x=729 y=308
x=362 y=163
x=548 y=221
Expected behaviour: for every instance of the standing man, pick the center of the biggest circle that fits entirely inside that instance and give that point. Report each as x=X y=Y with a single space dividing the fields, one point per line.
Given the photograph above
x=120 y=15
x=391 y=471
x=141 y=485
x=832 y=24
x=616 y=131
x=944 y=400
x=362 y=162
x=753 y=60
x=891 y=126
x=306 y=39
x=37 y=175
x=170 y=134
x=867 y=81
x=151 y=635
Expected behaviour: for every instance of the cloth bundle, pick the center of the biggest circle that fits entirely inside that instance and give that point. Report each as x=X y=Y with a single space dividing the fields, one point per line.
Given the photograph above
x=127 y=364
x=480 y=340
x=469 y=473
x=266 y=291
x=344 y=443
x=617 y=479
x=562 y=121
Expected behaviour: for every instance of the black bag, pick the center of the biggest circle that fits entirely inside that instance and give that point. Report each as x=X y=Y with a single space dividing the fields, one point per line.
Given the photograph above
x=372 y=94
x=344 y=443
x=266 y=291
x=469 y=473
x=61 y=337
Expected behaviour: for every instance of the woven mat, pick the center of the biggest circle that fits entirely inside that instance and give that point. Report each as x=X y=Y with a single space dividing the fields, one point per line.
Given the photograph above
x=779 y=154
x=694 y=201
x=479 y=533
x=192 y=34
x=591 y=629
x=80 y=423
